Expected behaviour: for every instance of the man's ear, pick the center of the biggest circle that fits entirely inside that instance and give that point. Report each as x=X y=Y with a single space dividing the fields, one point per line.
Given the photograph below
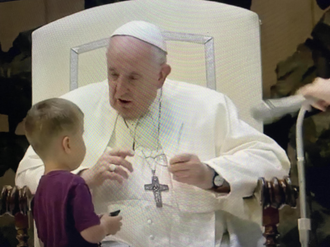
x=164 y=72
x=66 y=146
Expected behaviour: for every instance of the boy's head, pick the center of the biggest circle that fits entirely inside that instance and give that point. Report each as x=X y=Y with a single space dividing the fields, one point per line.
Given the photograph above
x=54 y=128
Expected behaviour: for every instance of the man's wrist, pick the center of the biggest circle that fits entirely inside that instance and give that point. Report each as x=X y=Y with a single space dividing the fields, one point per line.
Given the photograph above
x=209 y=178
x=219 y=184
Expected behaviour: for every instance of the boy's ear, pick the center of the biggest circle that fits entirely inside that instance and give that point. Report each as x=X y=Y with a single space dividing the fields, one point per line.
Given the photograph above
x=66 y=144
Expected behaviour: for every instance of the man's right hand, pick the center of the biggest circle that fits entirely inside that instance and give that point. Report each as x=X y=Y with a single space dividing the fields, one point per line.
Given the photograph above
x=102 y=170
x=112 y=224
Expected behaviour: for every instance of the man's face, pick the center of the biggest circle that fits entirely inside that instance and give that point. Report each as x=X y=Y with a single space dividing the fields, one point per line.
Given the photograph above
x=133 y=76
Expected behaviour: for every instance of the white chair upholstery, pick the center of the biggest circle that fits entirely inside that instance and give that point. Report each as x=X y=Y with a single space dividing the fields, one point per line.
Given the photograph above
x=223 y=49
x=233 y=66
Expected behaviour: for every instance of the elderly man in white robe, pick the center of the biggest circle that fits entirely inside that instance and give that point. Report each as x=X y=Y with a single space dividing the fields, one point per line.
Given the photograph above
x=172 y=156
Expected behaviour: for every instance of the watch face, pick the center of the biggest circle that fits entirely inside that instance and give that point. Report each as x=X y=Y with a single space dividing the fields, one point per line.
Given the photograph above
x=218 y=181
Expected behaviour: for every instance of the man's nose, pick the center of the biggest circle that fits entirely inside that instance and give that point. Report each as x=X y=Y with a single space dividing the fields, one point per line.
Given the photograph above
x=121 y=86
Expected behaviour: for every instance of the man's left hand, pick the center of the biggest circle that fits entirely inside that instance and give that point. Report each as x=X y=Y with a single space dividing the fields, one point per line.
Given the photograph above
x=187 y=168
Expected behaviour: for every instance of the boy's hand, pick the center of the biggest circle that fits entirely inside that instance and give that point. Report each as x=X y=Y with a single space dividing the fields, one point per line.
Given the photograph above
x=112 y=224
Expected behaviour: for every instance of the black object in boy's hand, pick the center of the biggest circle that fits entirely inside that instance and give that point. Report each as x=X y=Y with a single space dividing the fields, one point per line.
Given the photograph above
x=115 y=213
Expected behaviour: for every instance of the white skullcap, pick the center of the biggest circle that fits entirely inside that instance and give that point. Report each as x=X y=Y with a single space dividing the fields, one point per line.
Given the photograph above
x=144 y=31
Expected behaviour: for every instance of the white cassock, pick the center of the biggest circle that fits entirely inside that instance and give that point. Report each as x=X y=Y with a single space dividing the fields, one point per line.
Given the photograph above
x=193 y=119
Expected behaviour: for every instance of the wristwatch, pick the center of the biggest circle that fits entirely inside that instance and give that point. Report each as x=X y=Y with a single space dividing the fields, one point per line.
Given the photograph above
x=218 y=181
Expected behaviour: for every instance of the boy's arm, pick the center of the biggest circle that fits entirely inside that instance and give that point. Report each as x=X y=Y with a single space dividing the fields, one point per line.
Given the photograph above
x=87 y=222
x=94 y=234
x=108 y=225
x=91 y=227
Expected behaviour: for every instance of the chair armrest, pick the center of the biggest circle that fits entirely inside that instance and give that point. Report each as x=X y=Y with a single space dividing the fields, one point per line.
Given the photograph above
x=273 y=195
x=15 y=202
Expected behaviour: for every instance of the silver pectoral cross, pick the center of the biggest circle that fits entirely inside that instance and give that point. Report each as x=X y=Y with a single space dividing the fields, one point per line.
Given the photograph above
x=156 y=188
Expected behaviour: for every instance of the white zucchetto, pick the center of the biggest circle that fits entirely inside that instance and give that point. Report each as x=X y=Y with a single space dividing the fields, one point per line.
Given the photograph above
x=144 y=31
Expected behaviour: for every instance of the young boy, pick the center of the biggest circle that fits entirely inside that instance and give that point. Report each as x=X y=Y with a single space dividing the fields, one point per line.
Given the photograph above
x=62 y=206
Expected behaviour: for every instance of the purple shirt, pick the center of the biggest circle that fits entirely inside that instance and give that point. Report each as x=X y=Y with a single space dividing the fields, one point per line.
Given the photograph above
x=62 y=208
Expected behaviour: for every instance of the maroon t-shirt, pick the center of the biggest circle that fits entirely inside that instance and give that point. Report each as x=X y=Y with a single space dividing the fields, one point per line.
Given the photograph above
x=62 y=208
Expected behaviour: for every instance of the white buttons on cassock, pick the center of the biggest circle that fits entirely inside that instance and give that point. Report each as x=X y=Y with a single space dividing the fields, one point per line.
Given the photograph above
x=151 y=237
x=149 y=221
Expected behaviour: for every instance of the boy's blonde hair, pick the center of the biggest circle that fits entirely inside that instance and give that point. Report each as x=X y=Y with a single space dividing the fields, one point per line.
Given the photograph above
x=49 y=118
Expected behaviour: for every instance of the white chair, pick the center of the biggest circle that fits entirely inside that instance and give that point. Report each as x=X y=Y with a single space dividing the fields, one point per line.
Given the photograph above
x=210 y=44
